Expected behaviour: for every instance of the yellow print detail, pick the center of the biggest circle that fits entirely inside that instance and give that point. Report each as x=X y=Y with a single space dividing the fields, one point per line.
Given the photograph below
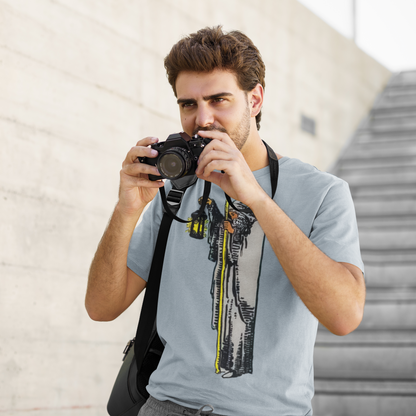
x=194 y=227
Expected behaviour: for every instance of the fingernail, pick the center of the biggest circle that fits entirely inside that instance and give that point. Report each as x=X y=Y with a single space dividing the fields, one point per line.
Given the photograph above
x=154 y=152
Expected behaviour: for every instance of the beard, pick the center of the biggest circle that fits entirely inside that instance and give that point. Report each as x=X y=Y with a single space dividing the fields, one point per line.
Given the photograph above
x=239 y=135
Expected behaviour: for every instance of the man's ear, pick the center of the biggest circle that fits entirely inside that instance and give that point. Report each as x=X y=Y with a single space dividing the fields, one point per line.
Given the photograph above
x=255 y=99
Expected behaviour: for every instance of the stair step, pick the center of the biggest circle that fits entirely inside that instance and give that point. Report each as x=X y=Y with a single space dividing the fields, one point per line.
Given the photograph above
x=364 y=398
x=387 y=239
x=365 y=362
x=384 y=256
x=392 y=111
x=397 y=338
x=401 y=206
x=365 y=387
x=398 y=99
x=376 y=162
x=395 y=170
x=392 y=294
x=376 y=133
x=393 y=176
x=366 y=137
x=397 y=191
x=401 y=89
x=400 y=275
x=386 y=221
x=367 y=148
x=359 y=387
x=400 y=314
x=392 y=138
x=393 y=123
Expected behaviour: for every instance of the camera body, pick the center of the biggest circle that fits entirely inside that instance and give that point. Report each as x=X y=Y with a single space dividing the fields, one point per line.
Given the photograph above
x=178 y=156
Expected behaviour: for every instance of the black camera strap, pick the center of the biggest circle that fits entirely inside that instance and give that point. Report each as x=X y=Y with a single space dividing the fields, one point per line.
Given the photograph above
x=176 y=198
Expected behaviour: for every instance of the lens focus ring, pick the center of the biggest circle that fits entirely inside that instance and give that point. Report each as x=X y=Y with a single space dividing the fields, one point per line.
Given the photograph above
x=174 y=163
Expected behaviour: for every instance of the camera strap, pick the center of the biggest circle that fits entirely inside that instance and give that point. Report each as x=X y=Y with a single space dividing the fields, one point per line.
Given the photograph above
x=174 y=200
x=176 y=194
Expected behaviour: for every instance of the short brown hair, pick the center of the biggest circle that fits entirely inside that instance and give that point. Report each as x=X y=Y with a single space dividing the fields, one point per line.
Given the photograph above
x=210 y=49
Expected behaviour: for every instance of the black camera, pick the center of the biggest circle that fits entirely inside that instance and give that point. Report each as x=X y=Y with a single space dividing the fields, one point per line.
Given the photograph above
x=178 y=156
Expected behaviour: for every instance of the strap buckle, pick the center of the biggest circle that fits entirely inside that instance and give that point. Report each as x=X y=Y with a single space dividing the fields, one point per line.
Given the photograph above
x=174 y=198
x=127 y=349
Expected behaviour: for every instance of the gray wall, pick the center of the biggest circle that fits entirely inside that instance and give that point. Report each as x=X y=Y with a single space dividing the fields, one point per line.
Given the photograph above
x=80 y=83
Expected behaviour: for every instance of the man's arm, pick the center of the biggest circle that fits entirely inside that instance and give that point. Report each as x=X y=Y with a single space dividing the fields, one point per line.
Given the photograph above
x=112 y=286
x=333 y=292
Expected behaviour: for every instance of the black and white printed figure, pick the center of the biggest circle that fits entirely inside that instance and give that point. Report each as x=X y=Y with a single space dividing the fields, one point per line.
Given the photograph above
x=235 y=245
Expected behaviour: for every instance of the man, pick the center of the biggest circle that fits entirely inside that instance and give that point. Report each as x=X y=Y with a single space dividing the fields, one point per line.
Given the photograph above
x=239 y=309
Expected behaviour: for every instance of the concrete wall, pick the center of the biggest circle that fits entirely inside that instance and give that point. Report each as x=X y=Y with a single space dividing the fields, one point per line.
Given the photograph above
x=80 y=83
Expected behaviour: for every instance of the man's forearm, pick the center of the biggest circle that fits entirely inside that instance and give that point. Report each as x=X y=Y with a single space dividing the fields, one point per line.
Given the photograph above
x=330 y=291
x=107 y=280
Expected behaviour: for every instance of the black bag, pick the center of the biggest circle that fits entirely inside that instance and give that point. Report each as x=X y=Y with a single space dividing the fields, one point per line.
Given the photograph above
x=129 y=392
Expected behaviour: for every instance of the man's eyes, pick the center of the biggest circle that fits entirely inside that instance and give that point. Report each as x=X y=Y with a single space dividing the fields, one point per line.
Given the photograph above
x=187 y=105
x=192 y=104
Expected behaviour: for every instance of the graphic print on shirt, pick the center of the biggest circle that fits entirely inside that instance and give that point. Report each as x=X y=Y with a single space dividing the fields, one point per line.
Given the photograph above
x=235 y=246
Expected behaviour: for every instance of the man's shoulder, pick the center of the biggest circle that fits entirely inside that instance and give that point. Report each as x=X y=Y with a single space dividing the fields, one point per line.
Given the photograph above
x=294 y=170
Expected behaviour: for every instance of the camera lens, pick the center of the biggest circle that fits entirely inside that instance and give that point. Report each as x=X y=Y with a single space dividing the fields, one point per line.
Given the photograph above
x=174 y=163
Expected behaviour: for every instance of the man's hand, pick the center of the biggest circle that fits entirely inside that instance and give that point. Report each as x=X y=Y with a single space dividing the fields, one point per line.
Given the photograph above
x=136 y=190
x=112 y=287
x=223 y=164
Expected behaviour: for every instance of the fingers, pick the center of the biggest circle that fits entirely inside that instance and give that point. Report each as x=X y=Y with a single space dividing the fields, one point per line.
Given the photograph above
x=221 y=156
x=134 y=173
x=138 y=169
x=131 y=164
x=142 y=149
x=224 y=165
x=132 y=181
x=215 y=161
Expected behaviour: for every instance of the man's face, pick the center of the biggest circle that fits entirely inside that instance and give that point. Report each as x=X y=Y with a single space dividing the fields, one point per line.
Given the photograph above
x=213 y=101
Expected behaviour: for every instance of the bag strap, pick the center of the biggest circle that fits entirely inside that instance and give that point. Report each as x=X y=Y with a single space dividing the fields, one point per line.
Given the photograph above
x=147 y=320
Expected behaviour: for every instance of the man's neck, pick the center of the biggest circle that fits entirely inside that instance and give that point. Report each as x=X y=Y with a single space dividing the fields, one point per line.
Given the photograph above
x=255 y=153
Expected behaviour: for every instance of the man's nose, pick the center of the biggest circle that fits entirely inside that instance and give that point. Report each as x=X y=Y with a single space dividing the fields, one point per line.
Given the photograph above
x=204 y=116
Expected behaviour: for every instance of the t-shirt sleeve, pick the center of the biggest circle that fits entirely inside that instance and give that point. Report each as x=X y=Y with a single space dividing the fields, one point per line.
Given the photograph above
x=334 y=230
x=143 y=241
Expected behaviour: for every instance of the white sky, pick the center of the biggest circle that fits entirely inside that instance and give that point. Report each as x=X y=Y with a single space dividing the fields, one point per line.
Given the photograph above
x=386 y=29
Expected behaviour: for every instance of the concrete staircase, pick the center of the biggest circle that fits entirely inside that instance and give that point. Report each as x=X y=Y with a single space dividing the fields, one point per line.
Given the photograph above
x=372 y=372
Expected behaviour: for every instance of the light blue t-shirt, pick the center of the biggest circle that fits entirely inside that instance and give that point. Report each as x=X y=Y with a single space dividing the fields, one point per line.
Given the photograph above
x=236 y=334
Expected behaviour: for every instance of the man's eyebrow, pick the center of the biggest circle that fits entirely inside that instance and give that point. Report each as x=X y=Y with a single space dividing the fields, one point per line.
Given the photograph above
x=206 y=98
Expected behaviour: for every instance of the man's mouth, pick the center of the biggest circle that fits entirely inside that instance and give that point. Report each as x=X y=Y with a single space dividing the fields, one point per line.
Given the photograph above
x=209 y=128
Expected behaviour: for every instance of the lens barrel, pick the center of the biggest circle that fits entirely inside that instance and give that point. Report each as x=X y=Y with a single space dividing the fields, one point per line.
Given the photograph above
x=174 y=163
